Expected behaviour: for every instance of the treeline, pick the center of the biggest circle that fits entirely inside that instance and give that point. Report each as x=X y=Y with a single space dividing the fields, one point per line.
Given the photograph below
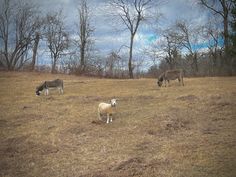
x=200 y=50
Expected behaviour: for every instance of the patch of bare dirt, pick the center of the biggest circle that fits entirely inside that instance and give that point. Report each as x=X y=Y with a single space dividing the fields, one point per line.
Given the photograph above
x=4 y=166
x=209 y=131
x=76 y=130
x=3 y=123
x=34 y=117
x=133 y=166
x=174 y=125
x=219 y=119
x=79 y=82
x=171 y=127
x=22 y=119
x=89 y=99
x=50 y=98
x=215 y=97
x=143 y=146
x=97 y=122
x=26 y=107
x=19 y=146
x=145 y=97
x=48 y=149
x=151 y=132
x=11 y=146
x=19 y=154
x=220 y=102
x=188 y=98
x=72 y=97
x=98 y=174
x=136 y=166
x=140 y=97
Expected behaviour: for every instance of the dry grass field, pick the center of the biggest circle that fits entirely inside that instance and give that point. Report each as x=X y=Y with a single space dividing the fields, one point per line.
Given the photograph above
x=175 y=131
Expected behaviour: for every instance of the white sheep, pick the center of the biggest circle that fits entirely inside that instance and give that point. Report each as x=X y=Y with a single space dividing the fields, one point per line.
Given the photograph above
x=108 y=109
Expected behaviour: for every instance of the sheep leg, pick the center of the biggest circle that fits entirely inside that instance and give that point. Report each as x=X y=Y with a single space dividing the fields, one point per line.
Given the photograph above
x=99 y=116
x=107 y=118
x=111 y=118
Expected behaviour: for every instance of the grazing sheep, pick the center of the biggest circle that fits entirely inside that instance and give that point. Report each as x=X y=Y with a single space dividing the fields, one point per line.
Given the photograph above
x=108 y=109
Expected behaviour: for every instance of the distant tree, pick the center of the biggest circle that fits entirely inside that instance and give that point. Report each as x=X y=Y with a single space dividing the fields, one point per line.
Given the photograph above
x=212 y=34
x=57 y=37
x=233 y=39
x=221 y=8
x=153 y=71
x=18 y=24
x=187 y=38
x=84 y=31
x=233 y=26
x=35 y=48
x=111 y=63
x=171 y=47
x=132 y=13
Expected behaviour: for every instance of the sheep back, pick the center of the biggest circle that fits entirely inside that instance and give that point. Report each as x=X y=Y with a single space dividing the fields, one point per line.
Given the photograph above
x=105 y=108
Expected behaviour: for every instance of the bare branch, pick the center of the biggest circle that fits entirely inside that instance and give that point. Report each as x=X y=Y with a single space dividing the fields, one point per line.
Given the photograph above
x=211 y=7
x=131 y=14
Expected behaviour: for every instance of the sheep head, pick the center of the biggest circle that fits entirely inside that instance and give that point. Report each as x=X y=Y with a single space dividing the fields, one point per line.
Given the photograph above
x=113 y=102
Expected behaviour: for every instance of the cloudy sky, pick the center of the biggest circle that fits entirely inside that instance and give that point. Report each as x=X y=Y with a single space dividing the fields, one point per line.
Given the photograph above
x=110 y=34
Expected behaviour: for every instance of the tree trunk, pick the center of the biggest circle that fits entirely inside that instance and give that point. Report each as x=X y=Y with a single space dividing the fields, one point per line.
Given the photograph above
x=82 y=57
x=36 y=42
x=53 y=68
x=226 y=40
x=171 y=65
x=6 y=52
x=226 y=30
x=195 y=62
x=131 y=76
x=54 y=64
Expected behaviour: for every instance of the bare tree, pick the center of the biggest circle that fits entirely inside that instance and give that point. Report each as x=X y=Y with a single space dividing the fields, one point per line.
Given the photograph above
x=85 y=31
x=187 y=37
x=167 y=48
x=212 y=34
x=222 y=8
x=18 y=23
x=35 y=48
x=171 y=47
x=112 y=62
x=5 y=16
x=131 y=14
x=57 y=37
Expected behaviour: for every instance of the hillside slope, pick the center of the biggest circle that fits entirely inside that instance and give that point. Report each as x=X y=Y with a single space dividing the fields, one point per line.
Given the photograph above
x=173 y=131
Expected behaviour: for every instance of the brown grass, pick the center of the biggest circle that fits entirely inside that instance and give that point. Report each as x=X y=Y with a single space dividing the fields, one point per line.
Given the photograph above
x=174 y=131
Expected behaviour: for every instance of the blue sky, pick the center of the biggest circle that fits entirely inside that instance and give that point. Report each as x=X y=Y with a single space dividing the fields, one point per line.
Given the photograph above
x=109 y=34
